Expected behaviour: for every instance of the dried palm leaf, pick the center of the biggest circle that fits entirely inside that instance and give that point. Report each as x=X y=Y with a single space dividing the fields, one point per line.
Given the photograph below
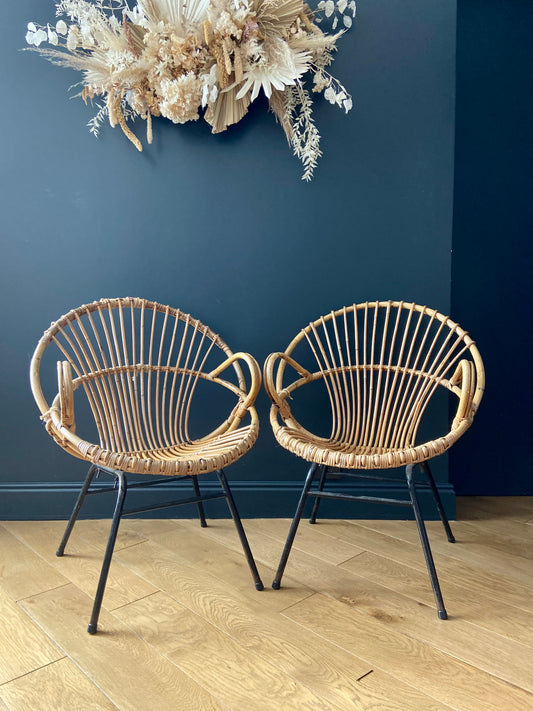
x=226 y=110
x=276 y=16
x=135 y=36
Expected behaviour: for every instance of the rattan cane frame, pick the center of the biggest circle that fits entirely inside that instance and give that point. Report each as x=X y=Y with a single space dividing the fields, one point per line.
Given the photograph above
x=105 y=355
x=377 y=404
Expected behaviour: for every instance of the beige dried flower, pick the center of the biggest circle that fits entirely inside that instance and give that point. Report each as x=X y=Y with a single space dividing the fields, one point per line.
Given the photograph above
x=181 y=98
x=182 y=58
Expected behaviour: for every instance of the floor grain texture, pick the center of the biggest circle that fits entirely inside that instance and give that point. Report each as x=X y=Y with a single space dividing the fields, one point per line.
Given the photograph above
x=353 y=627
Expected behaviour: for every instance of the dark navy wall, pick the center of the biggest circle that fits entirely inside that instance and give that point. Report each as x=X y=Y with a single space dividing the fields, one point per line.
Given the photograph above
x=221 y=226
x=492 y=238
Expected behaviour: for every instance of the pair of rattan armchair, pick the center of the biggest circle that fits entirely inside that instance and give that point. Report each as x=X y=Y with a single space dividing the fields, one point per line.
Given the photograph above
x=146 y=377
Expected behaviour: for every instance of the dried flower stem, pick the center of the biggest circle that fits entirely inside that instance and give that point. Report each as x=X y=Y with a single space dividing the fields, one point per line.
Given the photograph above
x=149 y=135
x=119 y=116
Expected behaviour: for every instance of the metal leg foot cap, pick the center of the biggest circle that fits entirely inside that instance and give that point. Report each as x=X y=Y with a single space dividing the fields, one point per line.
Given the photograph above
x=443 y=615
x=259 y=586
x=91 y=629
x=451 y=539
x=203 y=524
x=312 y=520
x=276 y=585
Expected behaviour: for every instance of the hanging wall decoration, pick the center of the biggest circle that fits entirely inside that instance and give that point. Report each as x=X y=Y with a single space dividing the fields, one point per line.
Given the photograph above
x=184 y=58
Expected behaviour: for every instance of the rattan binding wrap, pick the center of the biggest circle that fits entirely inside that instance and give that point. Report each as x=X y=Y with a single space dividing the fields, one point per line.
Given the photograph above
x=381 y=362
x=139 y=364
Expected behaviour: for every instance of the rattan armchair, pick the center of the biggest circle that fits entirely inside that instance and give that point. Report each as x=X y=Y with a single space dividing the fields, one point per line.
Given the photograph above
x=382 y=364
x=134 y=368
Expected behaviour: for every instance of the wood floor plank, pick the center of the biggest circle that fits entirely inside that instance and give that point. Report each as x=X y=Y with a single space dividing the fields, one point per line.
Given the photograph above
x=307 y=540
x=511 y=537
x=514 y=531
x=127 y=669
x=465 y=593
x=474 y=607
x=499 y=523
x=81 y=563
x=24 y=646
x=511 y=567
x=321 y=666
x=430 y=670
x=16 y=561
x=228 y=671
x=400 y=696
x=457 y=636
x=351 y=634
x=476 y=579
x=147 y=527
x=516 y=508
x=60 y=686
x=96 y=532
x=222 y=532
x=224 y=558
x=185 y=538
x=168 y=571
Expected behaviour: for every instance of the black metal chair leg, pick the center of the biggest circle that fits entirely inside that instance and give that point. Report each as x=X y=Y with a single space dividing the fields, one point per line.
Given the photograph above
x=240 y=530
x=201 y=513
x=121 y=496
x=441 y=610
x=294 y=526
x=323 y=473
x=427 y=471
x=76 y=510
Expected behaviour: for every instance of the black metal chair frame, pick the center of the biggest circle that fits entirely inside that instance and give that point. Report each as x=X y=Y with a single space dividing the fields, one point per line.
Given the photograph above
x=322 y=471
x=121 y=487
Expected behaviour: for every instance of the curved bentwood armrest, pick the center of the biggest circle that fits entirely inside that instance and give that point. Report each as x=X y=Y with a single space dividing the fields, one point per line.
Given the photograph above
x=274 y=381
x=54 y=418
x=255 y=384
x=65 y=389
x=463 y=384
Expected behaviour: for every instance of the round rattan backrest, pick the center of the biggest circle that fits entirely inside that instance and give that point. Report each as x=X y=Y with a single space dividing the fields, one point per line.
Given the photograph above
x=381 y=363
x=139 y=364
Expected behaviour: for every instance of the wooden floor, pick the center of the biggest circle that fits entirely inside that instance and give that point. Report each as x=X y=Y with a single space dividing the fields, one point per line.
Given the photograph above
x=354 y=626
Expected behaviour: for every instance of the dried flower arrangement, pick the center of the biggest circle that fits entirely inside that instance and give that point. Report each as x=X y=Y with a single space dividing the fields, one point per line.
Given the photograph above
x=178 y=58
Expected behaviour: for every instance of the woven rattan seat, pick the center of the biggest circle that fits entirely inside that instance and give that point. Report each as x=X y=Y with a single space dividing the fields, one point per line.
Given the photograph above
x=134 y=369
x=382 y=365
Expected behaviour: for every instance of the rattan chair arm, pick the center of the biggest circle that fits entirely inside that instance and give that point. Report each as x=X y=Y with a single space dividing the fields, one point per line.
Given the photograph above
x=35 y=383
x=273 y=379
x=55 y=426
x=255 y=385
x=65 y=390
x=463 y=384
